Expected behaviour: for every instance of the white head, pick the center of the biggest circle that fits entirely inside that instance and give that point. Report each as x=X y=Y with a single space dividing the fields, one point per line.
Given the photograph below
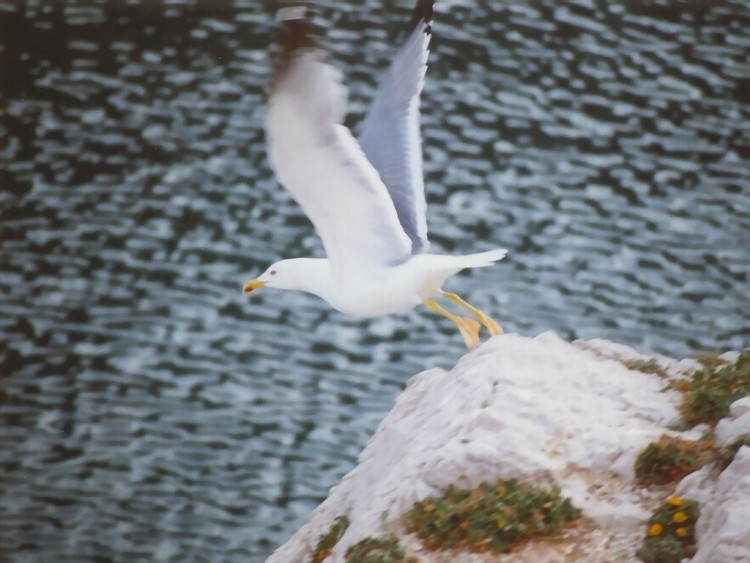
x=303 y=274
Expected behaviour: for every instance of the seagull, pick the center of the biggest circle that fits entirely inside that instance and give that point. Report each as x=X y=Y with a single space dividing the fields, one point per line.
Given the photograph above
x=364 y=196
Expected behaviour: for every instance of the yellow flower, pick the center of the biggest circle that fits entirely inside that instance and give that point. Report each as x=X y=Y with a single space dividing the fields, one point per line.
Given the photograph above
x=674 y=501
x=679 y=517
x=655 y=529
x=682 y=532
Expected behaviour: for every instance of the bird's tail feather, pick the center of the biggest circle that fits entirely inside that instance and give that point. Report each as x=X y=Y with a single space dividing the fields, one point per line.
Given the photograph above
x=481 y=259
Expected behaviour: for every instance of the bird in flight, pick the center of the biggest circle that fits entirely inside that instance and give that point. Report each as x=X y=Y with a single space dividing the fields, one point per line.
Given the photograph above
x=364 y=196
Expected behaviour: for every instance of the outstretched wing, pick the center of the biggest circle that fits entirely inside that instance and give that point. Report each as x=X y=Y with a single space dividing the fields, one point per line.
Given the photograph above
x=320 y=162
x=390 y=135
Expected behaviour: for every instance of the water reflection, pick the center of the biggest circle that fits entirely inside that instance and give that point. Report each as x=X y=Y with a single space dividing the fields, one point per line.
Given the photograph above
x=150 y=412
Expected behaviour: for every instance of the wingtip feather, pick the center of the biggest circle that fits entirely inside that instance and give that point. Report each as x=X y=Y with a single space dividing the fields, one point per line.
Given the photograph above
x=422 y=12
x=296 y=31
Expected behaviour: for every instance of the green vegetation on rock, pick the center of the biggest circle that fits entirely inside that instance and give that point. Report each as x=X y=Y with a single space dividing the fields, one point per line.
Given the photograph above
x=491 y=517
x=328 y=541
x=710 y=391
x=669 y=459
x=382 y=549
x=670 y=532
x=646 y=366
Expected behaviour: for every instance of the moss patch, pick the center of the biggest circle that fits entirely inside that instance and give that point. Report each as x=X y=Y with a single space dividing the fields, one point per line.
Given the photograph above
x=382 y=549
x=328 y=541
x=669 y=459
x=670 y=532
x=707 y=395
x=710 y=361
x=492 y=517
x=710 y=391
x=646 y=366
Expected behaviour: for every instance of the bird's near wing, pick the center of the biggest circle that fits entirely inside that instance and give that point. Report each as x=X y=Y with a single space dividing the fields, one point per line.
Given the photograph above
x=320 y=162
x=390 y=136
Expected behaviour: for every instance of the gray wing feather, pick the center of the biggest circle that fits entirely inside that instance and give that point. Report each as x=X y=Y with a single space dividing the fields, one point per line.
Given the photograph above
x=390 y=135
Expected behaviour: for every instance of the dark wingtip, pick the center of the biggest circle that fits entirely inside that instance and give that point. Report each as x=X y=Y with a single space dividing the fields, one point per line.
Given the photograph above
x=296 y=31
x=422 y=12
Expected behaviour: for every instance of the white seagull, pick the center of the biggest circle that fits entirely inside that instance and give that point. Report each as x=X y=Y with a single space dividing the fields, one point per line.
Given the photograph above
x=364 y=197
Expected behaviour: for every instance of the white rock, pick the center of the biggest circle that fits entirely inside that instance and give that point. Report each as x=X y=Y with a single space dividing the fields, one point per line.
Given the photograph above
x=540 y=410
x=723 y=528
x=736 y=425
x=740 y=407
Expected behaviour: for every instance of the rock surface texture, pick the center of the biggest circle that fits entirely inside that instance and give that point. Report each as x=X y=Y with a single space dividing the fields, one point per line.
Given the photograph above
x=542 y=411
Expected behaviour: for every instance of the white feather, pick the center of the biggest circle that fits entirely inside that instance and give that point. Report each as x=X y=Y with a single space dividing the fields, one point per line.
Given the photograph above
x=318 y=160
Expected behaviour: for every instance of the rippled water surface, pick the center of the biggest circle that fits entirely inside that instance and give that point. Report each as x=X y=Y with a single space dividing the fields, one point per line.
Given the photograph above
x=152 y=412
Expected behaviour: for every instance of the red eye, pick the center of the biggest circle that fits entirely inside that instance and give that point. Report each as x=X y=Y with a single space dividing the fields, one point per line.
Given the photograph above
x=272 y=272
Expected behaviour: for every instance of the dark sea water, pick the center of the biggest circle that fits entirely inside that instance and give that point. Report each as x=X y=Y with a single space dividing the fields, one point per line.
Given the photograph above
x=151 y=412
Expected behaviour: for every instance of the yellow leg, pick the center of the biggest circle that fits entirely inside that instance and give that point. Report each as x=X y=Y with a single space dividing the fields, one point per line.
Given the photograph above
x=469 y=328
x=491 y=324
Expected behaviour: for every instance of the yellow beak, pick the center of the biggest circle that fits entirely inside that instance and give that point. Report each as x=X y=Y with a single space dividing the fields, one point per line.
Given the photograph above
x=251 y=285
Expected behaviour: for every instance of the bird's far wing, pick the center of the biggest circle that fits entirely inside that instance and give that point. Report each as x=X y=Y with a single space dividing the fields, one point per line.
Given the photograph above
x=320 y=162
x=390 y=135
